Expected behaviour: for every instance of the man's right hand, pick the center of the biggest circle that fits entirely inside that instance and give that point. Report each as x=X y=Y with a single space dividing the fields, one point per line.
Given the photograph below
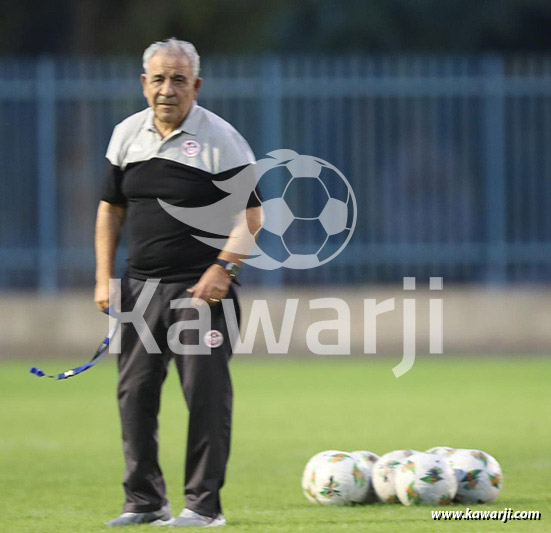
x=109 y=223
x=101 y=295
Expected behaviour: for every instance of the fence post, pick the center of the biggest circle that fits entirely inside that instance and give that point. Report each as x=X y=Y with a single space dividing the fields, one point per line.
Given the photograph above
x=270 y=104
x=494 y=169
x=47 y=190
x=271 y=128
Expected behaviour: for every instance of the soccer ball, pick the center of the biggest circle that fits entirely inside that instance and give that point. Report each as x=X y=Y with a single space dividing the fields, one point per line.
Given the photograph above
x=338 y=479
x=383 y=474
x=425 y=479
x=441 y=450
x=478 y=476
x=367 y=460
x=309 y=212
x=309 y=474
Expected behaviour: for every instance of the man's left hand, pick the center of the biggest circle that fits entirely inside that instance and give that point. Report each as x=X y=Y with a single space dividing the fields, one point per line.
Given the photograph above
x=213 y=285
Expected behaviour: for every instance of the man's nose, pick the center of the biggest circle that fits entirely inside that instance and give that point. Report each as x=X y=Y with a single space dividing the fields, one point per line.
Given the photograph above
x=167 y=88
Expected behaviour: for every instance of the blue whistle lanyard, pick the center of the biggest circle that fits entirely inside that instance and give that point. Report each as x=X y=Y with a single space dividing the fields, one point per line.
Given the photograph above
x=96 y=358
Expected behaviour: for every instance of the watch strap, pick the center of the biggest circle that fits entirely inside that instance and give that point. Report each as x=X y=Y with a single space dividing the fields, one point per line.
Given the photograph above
x=231 y=268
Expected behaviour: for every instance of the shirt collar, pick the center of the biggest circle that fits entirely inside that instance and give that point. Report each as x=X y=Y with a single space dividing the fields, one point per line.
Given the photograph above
x=189 y=125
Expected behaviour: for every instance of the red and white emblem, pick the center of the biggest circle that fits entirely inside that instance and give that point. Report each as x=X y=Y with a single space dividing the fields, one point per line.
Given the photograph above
x=191 y=148
x=213 y=338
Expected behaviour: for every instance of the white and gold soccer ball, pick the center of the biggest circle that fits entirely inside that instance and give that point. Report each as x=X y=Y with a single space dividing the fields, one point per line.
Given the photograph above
x=367 y=460
x=425 y=479
x=479 y=476
x=441 y=450
x=309 y=474
x=383 y=474
x=336 y=479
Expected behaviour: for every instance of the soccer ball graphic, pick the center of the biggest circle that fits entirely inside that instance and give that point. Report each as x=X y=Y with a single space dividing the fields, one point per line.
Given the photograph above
x=367 y=460
x=478 y=476
x=337 y=479
x=441 y=450
x=309 y=212
x=425 y=479
x=384 y=472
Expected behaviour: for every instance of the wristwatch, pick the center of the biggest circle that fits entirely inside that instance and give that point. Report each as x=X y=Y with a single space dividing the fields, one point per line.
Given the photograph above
x=231 y=268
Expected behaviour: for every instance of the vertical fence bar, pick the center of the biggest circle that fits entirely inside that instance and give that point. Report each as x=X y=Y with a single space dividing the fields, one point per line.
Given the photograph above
x=494 y=169
x=271 y=108
x=47 y=203
x=271 y=126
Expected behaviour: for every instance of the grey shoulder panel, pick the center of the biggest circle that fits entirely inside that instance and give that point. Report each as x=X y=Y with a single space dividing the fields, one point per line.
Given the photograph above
x=228 y=149
x=123 y=135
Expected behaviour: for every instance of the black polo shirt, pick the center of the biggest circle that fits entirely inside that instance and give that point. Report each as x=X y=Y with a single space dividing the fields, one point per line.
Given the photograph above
x=181 y=169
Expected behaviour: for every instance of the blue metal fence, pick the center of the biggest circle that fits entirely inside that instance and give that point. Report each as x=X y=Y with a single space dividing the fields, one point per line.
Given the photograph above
x=449 y=157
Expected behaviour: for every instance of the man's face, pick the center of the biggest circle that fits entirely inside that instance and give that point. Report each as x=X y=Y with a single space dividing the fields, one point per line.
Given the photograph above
x=170 y=88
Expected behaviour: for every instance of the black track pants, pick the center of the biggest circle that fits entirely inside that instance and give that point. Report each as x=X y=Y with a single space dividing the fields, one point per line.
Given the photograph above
x=206 y=383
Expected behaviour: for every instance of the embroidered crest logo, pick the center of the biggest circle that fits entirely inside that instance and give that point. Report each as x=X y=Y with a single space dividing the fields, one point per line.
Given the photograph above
x=213 y=338
x=191 y=148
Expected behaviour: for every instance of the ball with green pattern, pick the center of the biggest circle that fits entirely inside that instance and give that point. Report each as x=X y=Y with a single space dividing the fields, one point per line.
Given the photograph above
x=441 y=450
x=338 y=479
x=367 y=460
x=478 y=474
x=309 y=474
x=383 y=474
x=425 y=479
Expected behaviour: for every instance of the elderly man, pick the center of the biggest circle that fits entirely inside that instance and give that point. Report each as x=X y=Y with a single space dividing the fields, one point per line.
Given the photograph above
x=172 y=153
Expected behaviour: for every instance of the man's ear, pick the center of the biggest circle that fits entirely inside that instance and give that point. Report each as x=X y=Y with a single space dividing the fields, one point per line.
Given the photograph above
x=198 y=83
x=143 y=79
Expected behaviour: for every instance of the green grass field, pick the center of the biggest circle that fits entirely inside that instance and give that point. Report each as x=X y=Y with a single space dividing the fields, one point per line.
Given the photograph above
x=61 y=460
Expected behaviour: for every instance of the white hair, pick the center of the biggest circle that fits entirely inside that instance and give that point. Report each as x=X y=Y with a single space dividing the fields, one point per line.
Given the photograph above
x=175 y=47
